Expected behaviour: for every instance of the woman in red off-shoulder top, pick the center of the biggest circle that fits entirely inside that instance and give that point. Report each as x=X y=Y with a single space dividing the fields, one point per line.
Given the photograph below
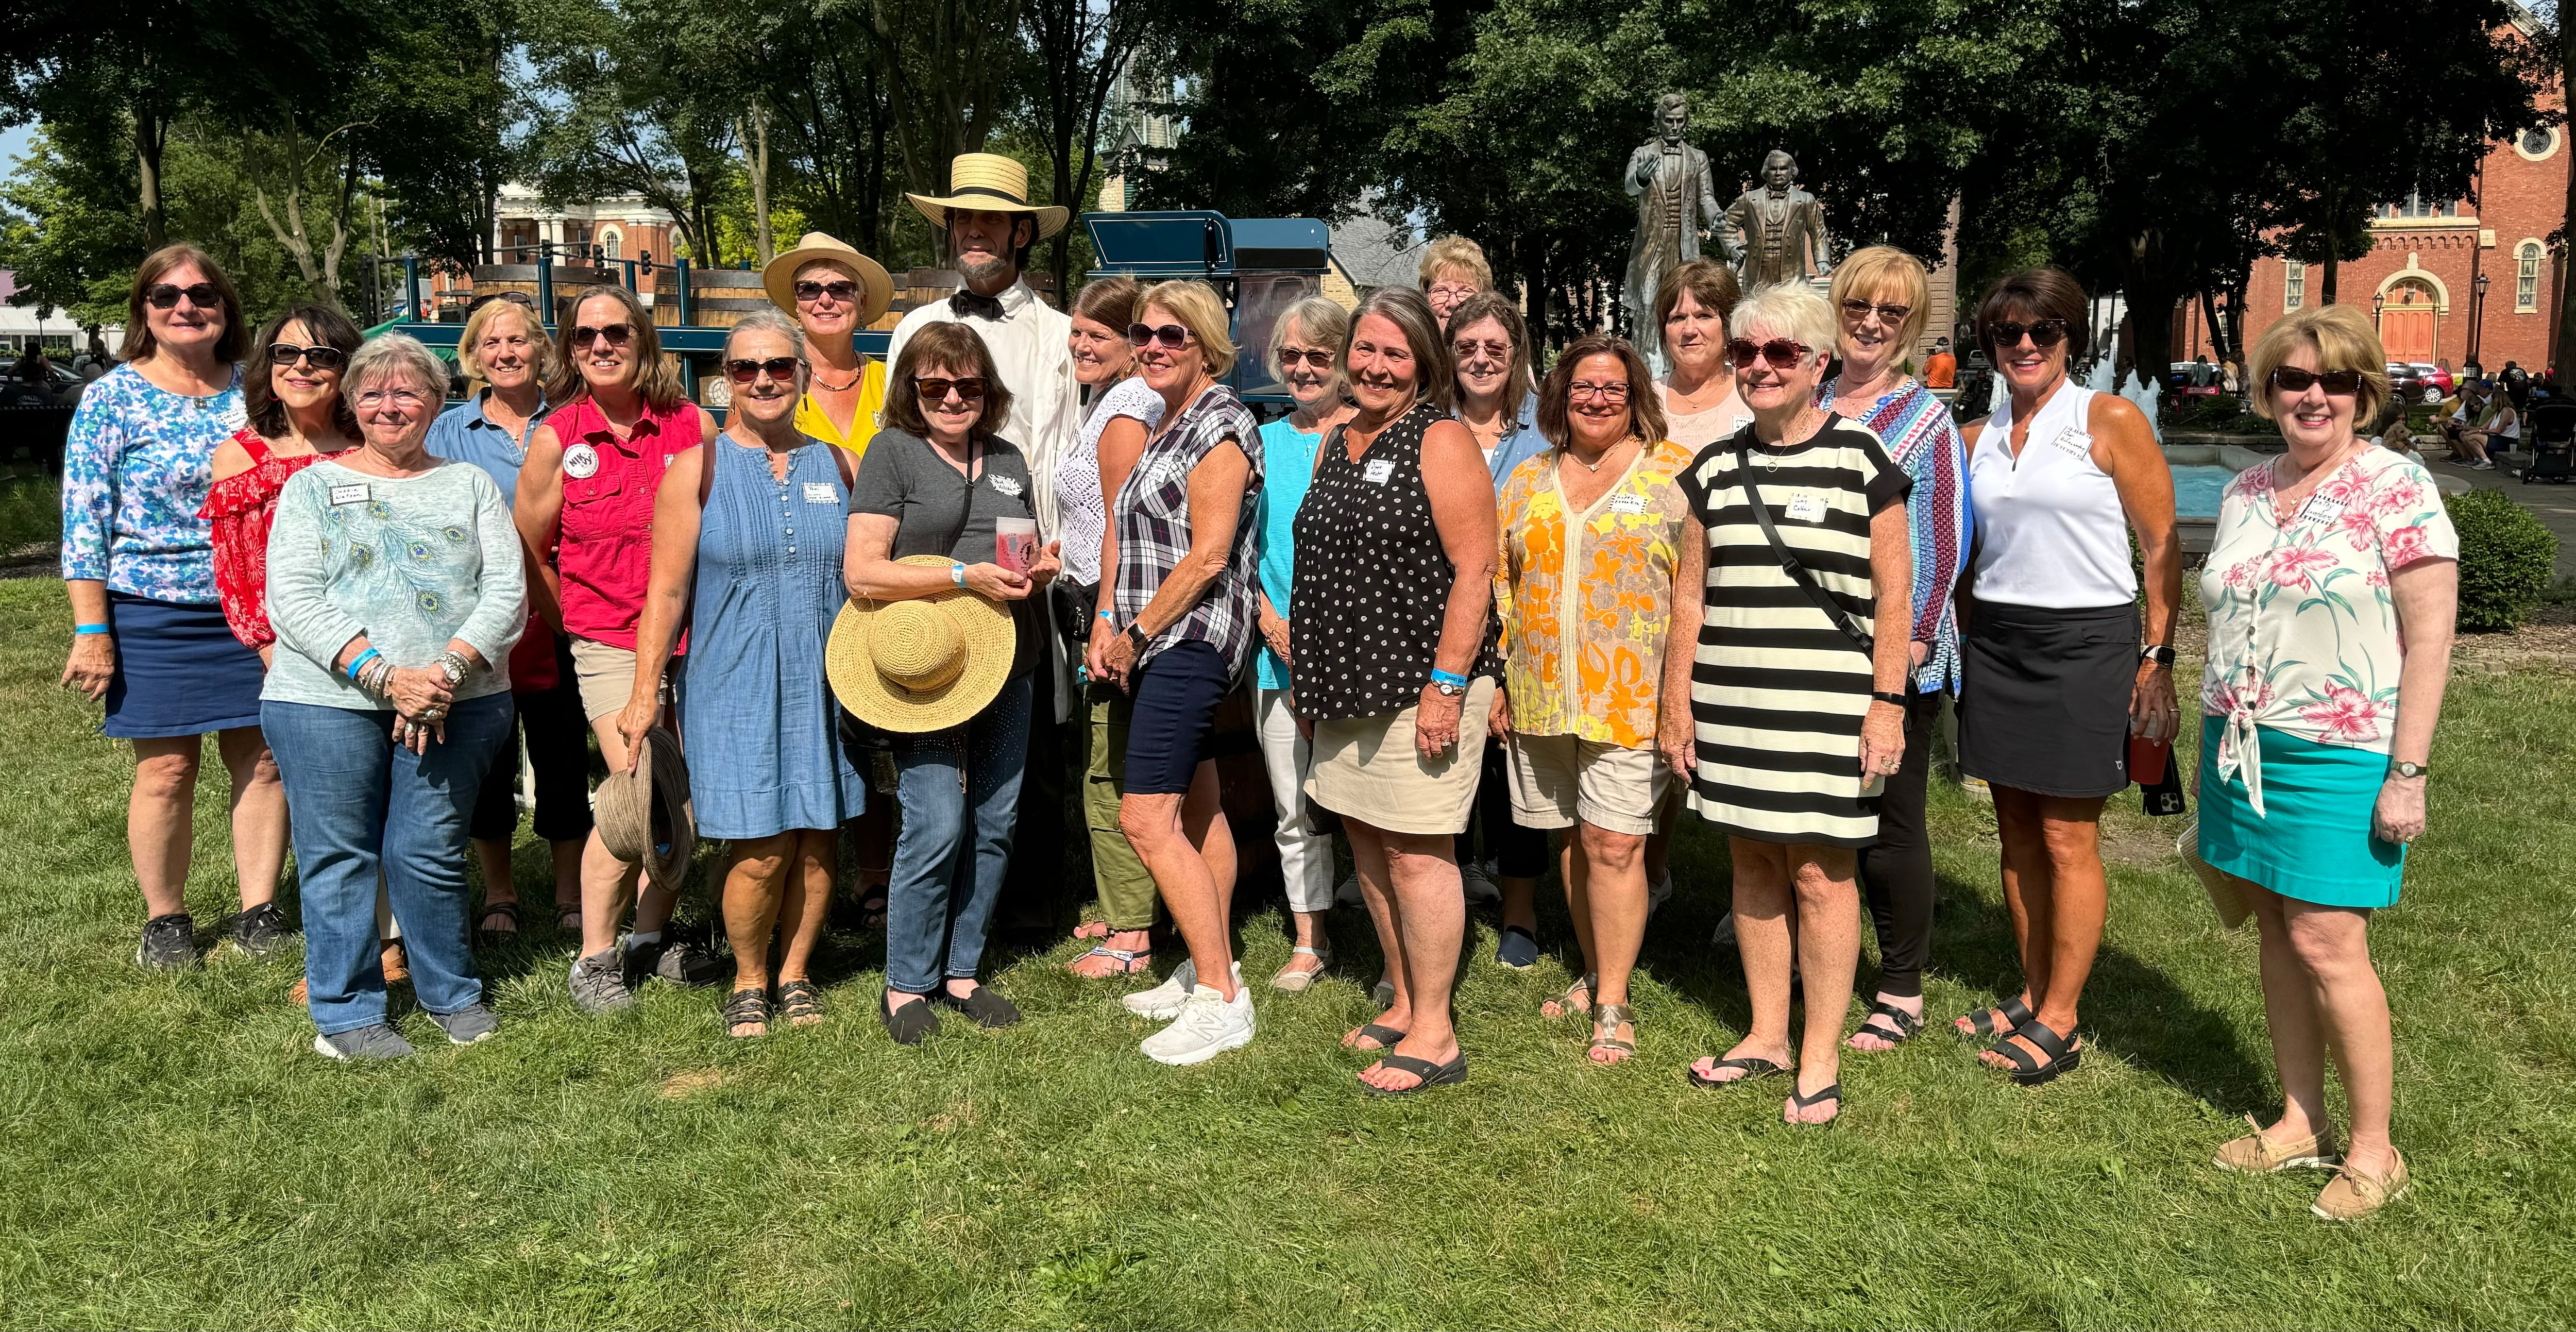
x=296 y=415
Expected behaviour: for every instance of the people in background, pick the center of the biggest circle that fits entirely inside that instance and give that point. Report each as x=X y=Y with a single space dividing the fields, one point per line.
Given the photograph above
x=1799 y=691
x=585 y=507
x=1941 y=368
x=149 y=636
x=1305 y=351
x=1387 y=629
x=507 y=360
x=396 y=588
x=747 y=551
x=2056 y=673
x=1453 y=269
x=1594 y=572
x=1880 y=297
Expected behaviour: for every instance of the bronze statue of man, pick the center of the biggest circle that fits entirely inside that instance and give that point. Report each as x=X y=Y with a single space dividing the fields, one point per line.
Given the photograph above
x=1676 y=207
x=1781 y=226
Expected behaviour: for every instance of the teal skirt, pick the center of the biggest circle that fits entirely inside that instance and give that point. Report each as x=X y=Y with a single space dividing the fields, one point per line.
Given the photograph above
x=2314 y=841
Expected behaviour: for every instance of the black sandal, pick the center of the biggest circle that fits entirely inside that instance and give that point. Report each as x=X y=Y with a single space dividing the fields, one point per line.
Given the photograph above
x=1904 y=1024
x=1755 y=1069
x=1983 y=1020
x=1384 y=1035
x=1430 y=1075
x=747 y=1008
x=1829 y=1092
x=491 y=909
x=800 y=1002
x=872 y=908
x=2029 y=1072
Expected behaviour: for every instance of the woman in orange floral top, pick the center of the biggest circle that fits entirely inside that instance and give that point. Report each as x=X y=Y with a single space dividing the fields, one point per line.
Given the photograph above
x=1598 y=563
x=295 y=415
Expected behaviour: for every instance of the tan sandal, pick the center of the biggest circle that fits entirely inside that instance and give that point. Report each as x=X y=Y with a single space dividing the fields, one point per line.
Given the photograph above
x=1293 y=979
x=1606 y=1021
x=1565 y=1005
x=2354 y=1196
x=2255 y=1154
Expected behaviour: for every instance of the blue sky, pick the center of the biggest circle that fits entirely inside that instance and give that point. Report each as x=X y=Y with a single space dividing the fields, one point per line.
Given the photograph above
x=12 y=143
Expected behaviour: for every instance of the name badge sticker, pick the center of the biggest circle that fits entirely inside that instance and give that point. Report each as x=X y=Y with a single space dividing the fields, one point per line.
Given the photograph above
x=1378 y=470
x=1632 y=504
x=2075 y=443
x=2321 y=511
x=581 y=462
x=349 y=494
x=820 y=492
x=1806 y=507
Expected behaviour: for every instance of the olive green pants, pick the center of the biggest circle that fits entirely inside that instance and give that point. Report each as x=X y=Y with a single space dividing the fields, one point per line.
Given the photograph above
x=1127 y=895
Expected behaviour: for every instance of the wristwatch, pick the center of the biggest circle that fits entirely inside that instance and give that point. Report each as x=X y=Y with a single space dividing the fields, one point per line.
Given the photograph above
x=1891 y=696
x=453 y=665
x=2409 y=771
x=2158 y=653
x=1136 y=638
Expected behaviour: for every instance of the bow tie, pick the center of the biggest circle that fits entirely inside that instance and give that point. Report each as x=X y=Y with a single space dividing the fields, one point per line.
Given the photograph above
x=966 y=303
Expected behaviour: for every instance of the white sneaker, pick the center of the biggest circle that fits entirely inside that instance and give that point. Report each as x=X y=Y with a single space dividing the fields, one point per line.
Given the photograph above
x=1478 y=884
x=1208 y=1025
x=1349 y=893
x=1724 y=935
x=1661 y=893
x=1163 y=1002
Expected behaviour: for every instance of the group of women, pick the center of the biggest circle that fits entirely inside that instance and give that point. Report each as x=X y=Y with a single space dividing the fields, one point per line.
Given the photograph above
x=1469 y=597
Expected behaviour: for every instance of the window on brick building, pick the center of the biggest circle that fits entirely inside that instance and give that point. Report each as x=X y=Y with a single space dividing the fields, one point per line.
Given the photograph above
x=2294 y=284
x=2526 y=277
x=611 y=243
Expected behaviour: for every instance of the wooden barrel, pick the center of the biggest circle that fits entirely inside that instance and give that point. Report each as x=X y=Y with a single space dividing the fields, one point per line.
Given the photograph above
x=718 y=297
x=492 y=278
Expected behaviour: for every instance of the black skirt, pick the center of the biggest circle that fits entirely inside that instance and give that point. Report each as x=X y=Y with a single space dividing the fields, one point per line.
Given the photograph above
x=2044 y=698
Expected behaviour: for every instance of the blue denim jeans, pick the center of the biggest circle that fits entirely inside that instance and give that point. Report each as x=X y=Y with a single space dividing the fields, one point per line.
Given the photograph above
x=359 y=807
x=945 y=881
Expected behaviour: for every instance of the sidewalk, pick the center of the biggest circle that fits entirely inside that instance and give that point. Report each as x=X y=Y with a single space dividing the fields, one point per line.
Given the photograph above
x=2554 y=504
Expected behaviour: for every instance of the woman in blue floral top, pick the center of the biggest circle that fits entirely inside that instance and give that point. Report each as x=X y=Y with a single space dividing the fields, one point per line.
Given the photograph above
x=148 y=630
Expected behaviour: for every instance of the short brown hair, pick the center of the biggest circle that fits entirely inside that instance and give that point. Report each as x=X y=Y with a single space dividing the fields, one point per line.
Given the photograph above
x=1713 y=285
x=2040 y=293
x=1435 y=370
x=259 y=393
x=655 y=378
x=1202 y=312
x=1109 y=302
x=230 y=346
x=1645 y=409
x=2343 y=339
x=1875 y=269
x=1522 y=379
x=955 y=347
x=1460 y=253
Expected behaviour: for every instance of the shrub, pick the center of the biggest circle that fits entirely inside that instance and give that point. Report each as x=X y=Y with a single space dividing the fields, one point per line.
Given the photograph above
x=2222 y=415
x=2507 y=560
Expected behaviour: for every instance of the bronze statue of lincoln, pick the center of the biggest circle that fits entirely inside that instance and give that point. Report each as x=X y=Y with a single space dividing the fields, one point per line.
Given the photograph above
x=1676 y=208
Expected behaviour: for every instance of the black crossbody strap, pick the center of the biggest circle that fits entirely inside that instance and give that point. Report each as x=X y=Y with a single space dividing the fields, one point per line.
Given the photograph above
x=1789 y=563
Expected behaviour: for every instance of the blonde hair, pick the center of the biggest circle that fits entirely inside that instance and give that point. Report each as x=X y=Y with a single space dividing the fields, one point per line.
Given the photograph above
x=1319 y=322
x=1202 y=312
x=2343 y=339
x=479 y=323
x=1790 y=310
x=1456 y=254
x=1870 y=272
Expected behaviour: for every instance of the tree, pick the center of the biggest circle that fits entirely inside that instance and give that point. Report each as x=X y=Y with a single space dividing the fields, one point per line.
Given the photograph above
x=1081 y=48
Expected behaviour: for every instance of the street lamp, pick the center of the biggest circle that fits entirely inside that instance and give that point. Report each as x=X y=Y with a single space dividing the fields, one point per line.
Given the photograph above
x=2377 y=303
x=2477 y=321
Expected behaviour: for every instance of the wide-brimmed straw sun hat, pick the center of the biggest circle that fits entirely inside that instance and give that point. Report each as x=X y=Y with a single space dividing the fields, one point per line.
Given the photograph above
x=923 y=664
x=778 y=276
x=989 y=183
x=644 y=815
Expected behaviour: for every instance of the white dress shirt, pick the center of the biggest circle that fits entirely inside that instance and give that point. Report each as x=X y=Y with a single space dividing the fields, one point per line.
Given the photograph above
x=1029 y=346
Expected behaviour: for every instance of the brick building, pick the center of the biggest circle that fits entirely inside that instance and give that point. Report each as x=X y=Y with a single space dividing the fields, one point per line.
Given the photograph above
x=2426 y=259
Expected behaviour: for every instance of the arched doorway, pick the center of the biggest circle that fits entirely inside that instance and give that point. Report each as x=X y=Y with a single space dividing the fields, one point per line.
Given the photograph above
x=2409 y=322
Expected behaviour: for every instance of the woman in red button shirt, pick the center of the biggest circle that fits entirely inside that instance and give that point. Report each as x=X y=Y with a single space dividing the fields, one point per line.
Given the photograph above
x=585 y=509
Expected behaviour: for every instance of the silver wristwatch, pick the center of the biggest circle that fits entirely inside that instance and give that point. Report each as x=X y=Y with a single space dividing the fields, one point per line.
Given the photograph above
x=2409 y=771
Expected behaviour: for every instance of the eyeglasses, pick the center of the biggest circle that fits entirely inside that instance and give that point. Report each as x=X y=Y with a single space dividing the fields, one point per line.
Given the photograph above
x=2338 y=383
x=1172 y=336
x=323 y=358
x=1316 y=357
x=1448 y=291
x=615 y=335
x=744 y=370
x=1780 y=352
x=164 y=296
x=1611 y=393
x=401 y=397
x=2043 y=334
x=937 y=390
x=1888 y=312
x=1495 y=351
x=840 y=291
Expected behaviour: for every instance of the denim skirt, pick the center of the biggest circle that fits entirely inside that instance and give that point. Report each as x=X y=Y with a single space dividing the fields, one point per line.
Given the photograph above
x=179 y=671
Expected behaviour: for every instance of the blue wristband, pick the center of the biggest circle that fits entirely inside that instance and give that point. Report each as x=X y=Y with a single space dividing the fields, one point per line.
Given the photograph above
x=360 y=663
x=1450 y=678
x=957 y=573
x=89 y=628
x=1109 y=617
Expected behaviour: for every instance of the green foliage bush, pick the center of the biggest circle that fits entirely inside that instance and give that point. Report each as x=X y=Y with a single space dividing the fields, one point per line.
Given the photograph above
x=2222 y=415
x=2507 y=560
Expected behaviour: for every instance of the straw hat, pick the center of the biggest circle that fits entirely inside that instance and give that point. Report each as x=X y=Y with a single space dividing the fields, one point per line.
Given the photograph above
x=643 y=815
x=778 y=276
x=923 y=664
x=989 y=183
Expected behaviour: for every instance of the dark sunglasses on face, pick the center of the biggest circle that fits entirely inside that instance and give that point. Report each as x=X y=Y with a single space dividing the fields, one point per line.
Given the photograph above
x=615 y=335
x=1780 y=352
x=1890 y=314
x=1492 y=351
x=202 y=295
x=1290 y=356
x=840 y=291
x=744 y=370
x=1172 y=336
x=323 y=358
x=2044 y=334
x=2338 y=383
x=937 y=390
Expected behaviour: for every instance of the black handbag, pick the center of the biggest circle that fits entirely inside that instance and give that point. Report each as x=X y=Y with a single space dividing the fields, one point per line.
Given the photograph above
x=1789 y=562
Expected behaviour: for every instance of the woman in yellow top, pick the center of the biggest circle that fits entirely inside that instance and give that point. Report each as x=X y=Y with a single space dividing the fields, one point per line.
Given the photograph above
x=1597 y=566
x=832 y=291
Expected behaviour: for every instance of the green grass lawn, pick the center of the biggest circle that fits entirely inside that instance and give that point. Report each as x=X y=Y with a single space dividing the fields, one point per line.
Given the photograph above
x=176 y=1155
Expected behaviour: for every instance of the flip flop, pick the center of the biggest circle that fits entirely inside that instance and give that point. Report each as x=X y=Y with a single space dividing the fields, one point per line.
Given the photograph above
x=1432 y=1075
x=1384 y=1035
x=1829 y=1092
x=1130 y=961
x=1755 y=1068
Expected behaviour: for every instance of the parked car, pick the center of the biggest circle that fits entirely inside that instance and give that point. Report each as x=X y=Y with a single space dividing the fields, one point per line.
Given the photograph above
x=2438 y=380
x=2406 y=384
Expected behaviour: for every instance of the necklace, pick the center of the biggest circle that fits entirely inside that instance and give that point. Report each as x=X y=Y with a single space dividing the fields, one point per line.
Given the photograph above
x=1595 y=465
x=829 y=387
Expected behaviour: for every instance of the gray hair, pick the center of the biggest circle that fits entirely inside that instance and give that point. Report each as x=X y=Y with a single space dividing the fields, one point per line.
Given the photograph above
x=1672 y=101
x=767 y=321
x=1787 y=309
x=395 y=357
x=1320 y=322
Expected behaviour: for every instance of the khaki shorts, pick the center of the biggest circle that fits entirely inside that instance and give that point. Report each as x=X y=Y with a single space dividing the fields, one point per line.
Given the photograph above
x=1366 y=768
x=605 y=675
x=1557 y=779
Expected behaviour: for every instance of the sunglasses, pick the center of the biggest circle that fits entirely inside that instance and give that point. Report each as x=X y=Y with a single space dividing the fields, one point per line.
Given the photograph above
x=164 y=296
x=745 y=370
x=1172 y=336
x=1492 y=351
x=937 y=390
x=1290 y=356
x=2043 y=334
x=323 y=358
x=1857 y=310
x=2338 y=383
x=1780 y=352
x=840 y=291
x=615 y=335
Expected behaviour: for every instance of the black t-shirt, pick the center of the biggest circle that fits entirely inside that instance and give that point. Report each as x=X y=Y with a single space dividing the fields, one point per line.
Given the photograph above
x=937 y=511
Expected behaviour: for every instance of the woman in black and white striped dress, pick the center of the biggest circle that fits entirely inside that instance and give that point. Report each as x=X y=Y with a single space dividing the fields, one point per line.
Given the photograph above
x=1799 y=714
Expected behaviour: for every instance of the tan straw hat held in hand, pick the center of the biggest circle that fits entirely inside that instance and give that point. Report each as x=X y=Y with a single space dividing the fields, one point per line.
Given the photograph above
x=989 y=183
x=924 y=664
x=778 y=276
x=644 y=815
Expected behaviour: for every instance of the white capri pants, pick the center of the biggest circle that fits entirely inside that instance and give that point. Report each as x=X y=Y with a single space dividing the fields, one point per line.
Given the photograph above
x=1305 y=856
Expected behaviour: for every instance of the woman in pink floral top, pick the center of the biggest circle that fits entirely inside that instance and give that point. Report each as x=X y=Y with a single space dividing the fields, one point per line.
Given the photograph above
x=2330 y=590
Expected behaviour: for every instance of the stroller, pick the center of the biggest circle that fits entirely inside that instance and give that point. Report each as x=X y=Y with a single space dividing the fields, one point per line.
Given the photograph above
x=2552 y=430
